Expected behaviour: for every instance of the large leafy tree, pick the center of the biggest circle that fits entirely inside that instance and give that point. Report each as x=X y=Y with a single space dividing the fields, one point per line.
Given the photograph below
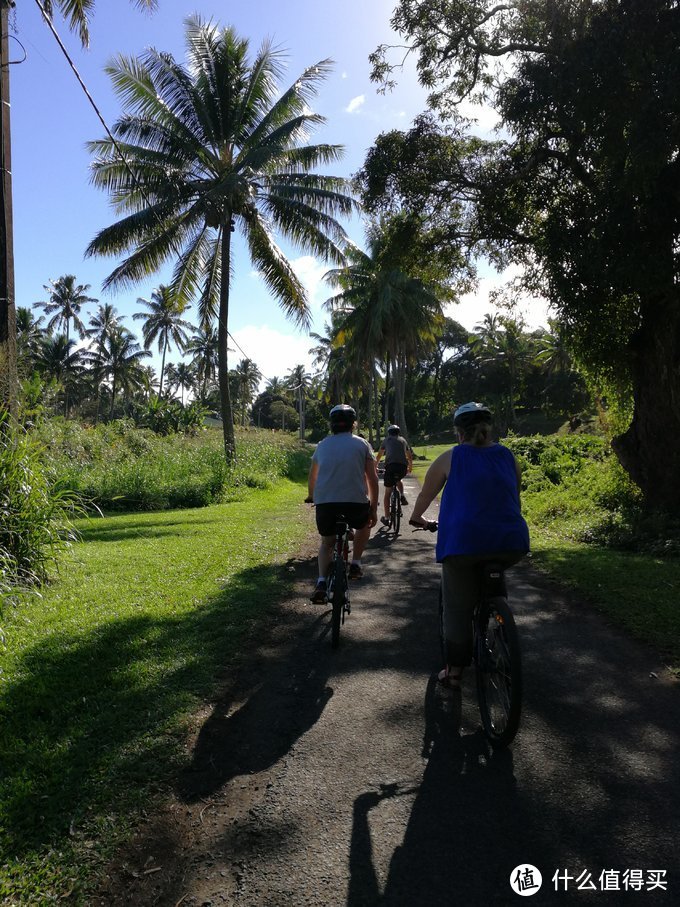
x=77 y=14
x=163 y=322
x=210 y=147
x=585 y=191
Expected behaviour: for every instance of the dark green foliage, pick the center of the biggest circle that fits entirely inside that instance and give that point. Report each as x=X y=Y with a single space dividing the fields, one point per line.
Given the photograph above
x=34 y=510
x=583 y=191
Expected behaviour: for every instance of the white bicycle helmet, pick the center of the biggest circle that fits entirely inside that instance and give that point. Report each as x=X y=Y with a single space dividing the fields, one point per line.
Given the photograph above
x=342 y=415
x=469 y=413
x=393 y=430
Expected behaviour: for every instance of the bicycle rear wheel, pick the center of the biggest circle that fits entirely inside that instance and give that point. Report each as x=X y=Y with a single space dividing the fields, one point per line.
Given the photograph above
x=498 y=667
x=396 y=513
x=339 y=595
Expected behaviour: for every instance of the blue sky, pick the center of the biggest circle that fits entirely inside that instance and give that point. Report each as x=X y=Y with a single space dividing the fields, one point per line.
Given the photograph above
x=57 y=211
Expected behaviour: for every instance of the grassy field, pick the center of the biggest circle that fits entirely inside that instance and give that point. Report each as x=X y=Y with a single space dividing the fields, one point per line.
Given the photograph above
x=639 y=591
x=101 y=674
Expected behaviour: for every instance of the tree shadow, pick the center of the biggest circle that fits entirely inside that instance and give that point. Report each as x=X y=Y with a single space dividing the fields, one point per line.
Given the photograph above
x=286 y=697
x=92 y=721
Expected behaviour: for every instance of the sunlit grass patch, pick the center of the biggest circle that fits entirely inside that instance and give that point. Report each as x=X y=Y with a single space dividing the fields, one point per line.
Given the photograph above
x=100 y=676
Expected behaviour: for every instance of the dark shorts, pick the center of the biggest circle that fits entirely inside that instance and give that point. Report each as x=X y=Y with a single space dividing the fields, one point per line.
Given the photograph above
x=357 y=515
x=394 y=472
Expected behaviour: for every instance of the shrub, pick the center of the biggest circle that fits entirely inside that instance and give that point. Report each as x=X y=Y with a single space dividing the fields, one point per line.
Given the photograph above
x=121 y=467
x=34 y=510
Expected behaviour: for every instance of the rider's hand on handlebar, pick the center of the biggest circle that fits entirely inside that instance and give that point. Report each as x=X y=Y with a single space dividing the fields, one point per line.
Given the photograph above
x=429 y=525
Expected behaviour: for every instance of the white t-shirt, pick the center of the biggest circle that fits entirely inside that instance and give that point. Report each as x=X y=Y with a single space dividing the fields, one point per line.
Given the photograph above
x=341 y=477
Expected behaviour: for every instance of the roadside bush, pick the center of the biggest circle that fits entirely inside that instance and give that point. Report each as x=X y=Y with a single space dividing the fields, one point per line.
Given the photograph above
x=34 y=510
x=579 y=482
x=120 y=467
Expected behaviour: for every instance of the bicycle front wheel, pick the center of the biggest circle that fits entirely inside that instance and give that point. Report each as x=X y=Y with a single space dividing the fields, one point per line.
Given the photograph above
x=339 y=595
x=498 y=667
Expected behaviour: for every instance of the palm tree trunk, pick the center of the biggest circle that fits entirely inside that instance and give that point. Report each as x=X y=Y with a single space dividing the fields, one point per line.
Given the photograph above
x=160 y=384
x=376 y=402
x=387 y=389
x=222 y=339
x=113 y=397
x=66 y=372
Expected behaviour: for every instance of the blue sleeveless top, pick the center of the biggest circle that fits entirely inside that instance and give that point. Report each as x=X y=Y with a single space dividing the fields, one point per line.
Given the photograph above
x=479 y=511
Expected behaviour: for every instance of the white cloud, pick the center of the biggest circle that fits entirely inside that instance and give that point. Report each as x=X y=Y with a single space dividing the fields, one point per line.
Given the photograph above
x=274 y=352
x=311 y=271
x=475 y=305
x=355 y=104
x=344 y=75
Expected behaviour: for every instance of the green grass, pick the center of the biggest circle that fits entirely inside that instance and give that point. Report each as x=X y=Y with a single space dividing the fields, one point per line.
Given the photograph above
x=637 y=590
x=101 y=675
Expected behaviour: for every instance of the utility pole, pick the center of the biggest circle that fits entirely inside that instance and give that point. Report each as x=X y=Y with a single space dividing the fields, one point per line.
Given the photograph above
x=8 y=328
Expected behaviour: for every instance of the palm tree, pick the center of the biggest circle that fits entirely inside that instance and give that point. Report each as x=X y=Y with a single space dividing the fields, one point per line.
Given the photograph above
x=104 y=320
x=119 y=358
x=183 y=376
x=29 y=337
x=163 y=322
x=77 y=13
x=276 y=387
x=66 y=298
x=298 y=381
x=58 y=358
x=212 y=146
x=389 y=314
x=249 y=377
x=203 y=348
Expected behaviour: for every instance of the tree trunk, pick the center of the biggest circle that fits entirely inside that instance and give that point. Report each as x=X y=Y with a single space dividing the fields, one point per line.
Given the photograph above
x=387 y=390
x=222 y=340
x=376 y=403
x=649 y=450
x=8 y=328
x=160 y=383
x=399 y=389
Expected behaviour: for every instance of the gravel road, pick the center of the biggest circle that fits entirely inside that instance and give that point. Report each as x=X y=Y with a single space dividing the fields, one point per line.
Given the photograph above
x=350 y=778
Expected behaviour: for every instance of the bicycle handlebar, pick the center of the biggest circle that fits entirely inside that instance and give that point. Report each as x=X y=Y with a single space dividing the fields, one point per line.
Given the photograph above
x=430 y=525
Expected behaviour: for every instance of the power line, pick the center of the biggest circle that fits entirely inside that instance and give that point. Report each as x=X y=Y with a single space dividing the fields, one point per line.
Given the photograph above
x=117 y=147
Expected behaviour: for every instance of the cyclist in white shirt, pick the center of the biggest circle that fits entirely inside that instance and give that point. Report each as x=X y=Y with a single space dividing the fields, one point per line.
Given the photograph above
x=342 y=480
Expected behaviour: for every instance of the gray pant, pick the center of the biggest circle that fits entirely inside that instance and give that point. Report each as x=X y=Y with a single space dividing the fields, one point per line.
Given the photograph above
x=461 y=589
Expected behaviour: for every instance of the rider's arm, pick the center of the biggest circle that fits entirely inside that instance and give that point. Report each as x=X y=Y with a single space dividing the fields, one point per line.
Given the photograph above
x=311 y=479
x=433 y=483
x=372 y=486
x=409 y=459
x=378 y=456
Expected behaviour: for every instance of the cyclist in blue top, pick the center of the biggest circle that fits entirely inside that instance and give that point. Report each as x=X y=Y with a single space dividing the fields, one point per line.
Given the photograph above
x=479 y=520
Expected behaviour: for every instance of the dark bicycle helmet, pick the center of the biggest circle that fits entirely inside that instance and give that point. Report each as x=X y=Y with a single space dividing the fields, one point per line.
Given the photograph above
x=343 y=415
x=393 y=430
x=469 y=413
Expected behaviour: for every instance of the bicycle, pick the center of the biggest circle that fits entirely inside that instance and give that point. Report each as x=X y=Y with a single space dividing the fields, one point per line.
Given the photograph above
x=496 y=654
x=337 y=583
x=395 y=510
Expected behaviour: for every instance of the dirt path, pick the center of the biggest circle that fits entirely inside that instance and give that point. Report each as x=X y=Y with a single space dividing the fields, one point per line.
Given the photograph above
x=347 y=778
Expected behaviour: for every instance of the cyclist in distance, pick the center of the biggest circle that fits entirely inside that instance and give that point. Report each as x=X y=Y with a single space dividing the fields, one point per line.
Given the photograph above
x=398 y=461
x=342 y=480
x=479 y=520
